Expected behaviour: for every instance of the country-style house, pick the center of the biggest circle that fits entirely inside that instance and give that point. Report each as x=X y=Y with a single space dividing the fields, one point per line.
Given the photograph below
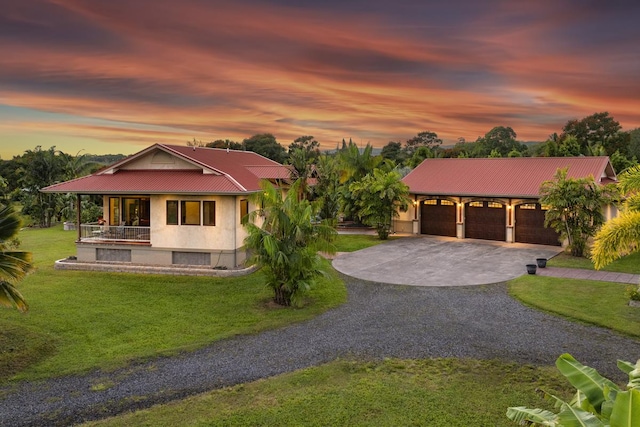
x=172 y=205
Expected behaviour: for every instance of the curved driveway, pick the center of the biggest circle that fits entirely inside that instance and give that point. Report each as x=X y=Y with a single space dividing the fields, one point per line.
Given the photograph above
x=441 y=261
x=379 y=320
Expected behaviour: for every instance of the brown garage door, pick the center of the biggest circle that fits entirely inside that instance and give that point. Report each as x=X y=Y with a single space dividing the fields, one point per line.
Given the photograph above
x=438 y=217
x=530 y=226
x=485 y=220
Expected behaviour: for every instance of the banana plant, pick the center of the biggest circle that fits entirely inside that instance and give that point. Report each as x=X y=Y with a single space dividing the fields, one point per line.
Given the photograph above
x=598 y=402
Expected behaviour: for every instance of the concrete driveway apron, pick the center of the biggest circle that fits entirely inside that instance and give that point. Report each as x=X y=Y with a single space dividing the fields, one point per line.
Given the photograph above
x=441 y=261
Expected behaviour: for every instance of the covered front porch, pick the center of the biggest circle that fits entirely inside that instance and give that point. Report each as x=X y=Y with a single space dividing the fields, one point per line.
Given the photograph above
x=96 y=233
x=125 y=219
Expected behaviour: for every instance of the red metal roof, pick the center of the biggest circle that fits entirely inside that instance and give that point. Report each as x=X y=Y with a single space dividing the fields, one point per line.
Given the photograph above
x=500 y=177
x=149 y=182
x=221 y=171
x=270 y=172
x=237 y=164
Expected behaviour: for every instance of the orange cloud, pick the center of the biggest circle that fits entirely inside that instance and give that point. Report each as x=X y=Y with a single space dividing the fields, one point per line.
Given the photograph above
x=164 y=71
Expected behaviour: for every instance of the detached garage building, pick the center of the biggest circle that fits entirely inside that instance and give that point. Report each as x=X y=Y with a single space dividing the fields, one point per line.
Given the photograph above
x=491 y=198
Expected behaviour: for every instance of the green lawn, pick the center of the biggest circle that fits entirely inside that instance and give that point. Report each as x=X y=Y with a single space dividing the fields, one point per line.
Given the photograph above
x=600 y=303
x=78 y=320
x=355 y=242
x=628 y=264
x=436 y=392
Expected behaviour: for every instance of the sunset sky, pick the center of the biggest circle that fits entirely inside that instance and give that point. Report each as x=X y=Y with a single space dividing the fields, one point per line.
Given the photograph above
x=116 y=76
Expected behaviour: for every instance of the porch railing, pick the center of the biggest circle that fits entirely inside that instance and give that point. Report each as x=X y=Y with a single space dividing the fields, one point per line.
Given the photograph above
x=121 y=233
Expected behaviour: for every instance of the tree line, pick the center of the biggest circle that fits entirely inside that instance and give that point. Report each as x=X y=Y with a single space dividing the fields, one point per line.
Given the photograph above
x=331 y=171
x=596 y=135
x=22 y=178
x=349 y=182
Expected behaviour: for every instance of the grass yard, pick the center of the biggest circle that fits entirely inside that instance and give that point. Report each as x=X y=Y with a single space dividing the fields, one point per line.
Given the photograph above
x=79 y=321
x=628 y=264
x=600 y=303
x=355 y=242
x=436 y=392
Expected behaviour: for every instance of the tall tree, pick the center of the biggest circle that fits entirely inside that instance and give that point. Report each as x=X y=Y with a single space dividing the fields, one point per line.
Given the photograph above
x=303 y=163
x=620 y=162
x=419 y=155
x=634 y=144
x=266 y=145
x=591 y=132
x=575 y=208
x=393 y=151
x=286 y=245
x=498 y=142
x=423 y=139
x=76 y=166
x=567 y=147
x=42 y=168
x=621 y=235
x=356 y=163
x=378 y=197
x=14 y=265
x=307 y=143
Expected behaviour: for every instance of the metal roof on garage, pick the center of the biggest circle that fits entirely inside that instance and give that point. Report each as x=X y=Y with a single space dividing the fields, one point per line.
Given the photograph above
x=501 y=177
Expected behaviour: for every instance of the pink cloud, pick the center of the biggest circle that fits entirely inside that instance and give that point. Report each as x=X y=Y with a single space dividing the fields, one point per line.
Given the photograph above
x=228 y=70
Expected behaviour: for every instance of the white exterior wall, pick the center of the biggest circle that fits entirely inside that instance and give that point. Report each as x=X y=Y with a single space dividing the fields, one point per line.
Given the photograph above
x=222 y=236
x=241 y=232
x=409 y=214
x=610 y=212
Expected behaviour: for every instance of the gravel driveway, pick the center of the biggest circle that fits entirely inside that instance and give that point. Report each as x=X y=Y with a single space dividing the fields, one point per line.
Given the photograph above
x=378 y=321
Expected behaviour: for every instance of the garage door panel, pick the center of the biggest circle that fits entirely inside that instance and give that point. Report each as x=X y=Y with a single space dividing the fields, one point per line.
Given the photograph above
x=530 y=226
x=485 y=222
x=438 y=219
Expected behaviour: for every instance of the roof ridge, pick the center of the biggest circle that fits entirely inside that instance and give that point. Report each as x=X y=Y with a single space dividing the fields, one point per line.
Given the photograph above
x=221 y=172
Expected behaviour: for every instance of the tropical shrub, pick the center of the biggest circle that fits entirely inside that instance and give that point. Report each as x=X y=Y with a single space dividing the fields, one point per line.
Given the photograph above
x=286 y=245
x=598 y=402
x=14 y=264
x=378 y=197
x=575 y=208
x=633 y=293
x=620 y=235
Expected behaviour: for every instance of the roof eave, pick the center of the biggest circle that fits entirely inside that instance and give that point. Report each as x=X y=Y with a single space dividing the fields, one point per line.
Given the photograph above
x=484 y=195
x=155 y=193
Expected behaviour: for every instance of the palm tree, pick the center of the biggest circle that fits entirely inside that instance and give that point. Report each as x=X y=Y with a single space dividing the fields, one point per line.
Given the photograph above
x=14 y=265
x=286 y=245
x=354 y=165
x=327 y=188
x=378 y=196
x=302 y=162
x=575 y=208
x=621 y=235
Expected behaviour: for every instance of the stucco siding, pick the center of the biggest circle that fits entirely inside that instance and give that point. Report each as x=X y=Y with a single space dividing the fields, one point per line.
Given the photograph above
x=159 y=160
x=220 y=236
